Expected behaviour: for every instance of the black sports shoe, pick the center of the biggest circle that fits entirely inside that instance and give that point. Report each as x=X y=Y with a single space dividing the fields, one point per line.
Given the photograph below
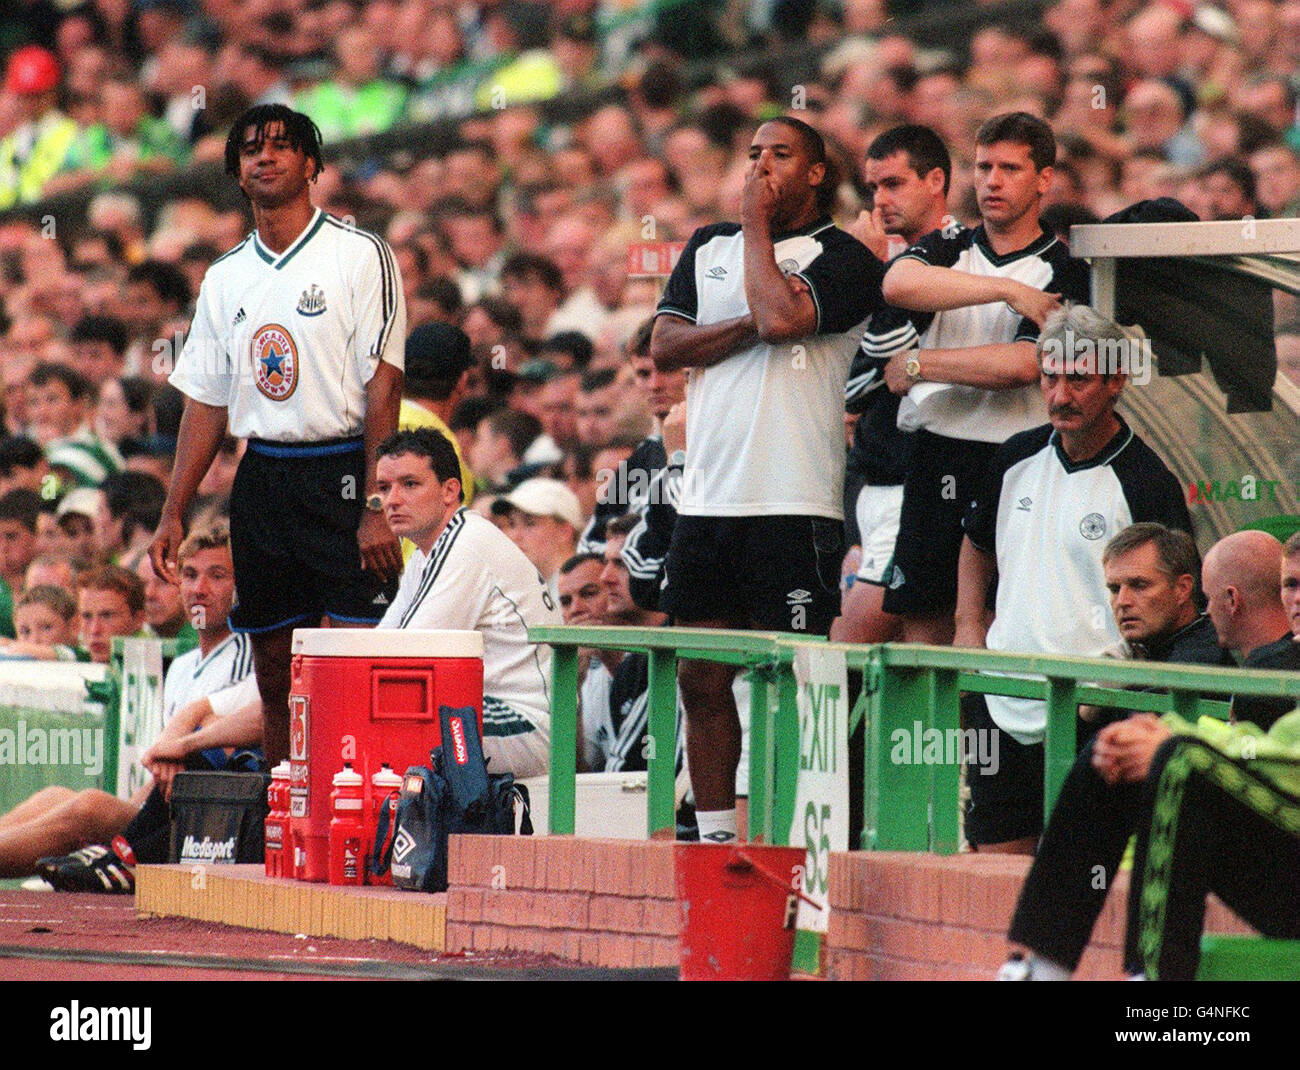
x=97 y=868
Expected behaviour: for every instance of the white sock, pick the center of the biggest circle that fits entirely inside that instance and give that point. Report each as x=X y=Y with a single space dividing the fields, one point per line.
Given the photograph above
x=1041 y=969
x=716 y=826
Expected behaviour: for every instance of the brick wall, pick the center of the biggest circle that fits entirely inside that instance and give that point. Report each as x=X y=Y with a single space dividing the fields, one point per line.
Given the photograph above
x=894 y=916
x=897 y=916
x=596 y=902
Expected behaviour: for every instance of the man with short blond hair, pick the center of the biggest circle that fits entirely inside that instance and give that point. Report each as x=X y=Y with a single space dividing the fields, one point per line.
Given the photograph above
x=206 y=704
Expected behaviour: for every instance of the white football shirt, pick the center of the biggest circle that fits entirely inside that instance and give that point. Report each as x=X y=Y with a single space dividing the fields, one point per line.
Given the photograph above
x=288 y=343
x=765 y=426
x=475 y=578
x=225 y=677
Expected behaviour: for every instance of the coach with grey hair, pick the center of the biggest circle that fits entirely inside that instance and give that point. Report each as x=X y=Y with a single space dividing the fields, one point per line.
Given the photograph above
x=1053 y=497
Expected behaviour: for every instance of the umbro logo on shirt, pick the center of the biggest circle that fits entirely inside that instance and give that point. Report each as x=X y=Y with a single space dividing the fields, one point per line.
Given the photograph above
x=718 y=272
x=1024 y=504
x=798 y=597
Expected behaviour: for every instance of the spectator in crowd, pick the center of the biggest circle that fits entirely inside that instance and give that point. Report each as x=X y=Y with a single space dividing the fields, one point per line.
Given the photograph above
x=110 y=602
x=357 y=100
x=1151 y=579
x=14 y=372
x=534 y=286
x=124 y=413
x=127 y=513
x=22 y=464
x=18 y=511
x=209 y=704
x=52 y=570
x=907 y=173
x=1039 y=518
x=77 y=514
x=1277 y=179
x=45 y=620
x=164 y=609
x=759 y=517
x=1229 y=187
x=465 y=574
x=438 y=363
x=59 y=406
x=500 y=442
x=965 y=364
x=220 y=477
x=544 y=520
x=38 y=135
x=156 y=293
x=98 y=348
x=597 y=406
x=127 y=140
x=627 y=488
x=557 y=410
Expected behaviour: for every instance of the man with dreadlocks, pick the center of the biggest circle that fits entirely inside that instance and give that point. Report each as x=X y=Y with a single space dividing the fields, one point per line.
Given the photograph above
x=297 y=345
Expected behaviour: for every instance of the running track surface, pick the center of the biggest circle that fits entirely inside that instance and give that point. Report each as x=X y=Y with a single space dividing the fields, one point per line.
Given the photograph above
x=69 y=937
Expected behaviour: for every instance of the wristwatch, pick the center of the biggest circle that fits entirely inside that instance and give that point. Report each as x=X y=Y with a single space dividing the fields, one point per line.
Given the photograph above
x=375 y=503
x=913 y=367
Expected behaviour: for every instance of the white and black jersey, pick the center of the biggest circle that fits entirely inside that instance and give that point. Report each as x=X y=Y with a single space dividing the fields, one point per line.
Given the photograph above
x=222 y=677
x=1047 y=520
x=764 y=427
x=645 y=550
x=968 y=412
x=628 y=491
x=475 y=579
x=616 y=716
x=881 y=451
x=288 y=342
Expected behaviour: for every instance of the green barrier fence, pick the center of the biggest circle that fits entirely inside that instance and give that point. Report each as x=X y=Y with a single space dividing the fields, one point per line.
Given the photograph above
x=908 y=806
x=51 y=732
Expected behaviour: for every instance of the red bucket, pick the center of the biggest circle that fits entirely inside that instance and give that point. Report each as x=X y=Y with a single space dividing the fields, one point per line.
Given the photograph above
x=738 y=905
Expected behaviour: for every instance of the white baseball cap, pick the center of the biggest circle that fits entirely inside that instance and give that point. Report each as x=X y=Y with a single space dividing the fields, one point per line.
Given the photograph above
x=83 y=500
x=547 y=497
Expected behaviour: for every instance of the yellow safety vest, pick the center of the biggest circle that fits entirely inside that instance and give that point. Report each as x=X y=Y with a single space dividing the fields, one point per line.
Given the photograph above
x=24 y=180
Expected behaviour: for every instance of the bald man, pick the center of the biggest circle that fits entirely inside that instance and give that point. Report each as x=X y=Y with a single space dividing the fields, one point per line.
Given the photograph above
x=1241 y=578
x=1061 y=899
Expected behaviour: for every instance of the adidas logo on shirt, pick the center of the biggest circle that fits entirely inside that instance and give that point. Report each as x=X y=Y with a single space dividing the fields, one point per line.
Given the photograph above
x=379 y=600
x=239 y=318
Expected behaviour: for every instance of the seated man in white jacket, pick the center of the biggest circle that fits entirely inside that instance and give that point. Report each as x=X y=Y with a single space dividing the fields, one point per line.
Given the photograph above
x=466 y=574
x=210 y=703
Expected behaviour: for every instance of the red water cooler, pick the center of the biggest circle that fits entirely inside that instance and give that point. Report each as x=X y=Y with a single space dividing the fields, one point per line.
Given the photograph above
x=366 y=697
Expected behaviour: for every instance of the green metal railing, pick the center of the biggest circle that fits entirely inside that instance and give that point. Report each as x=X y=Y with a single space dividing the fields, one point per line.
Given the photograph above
x=109 y=692
x=907 y=806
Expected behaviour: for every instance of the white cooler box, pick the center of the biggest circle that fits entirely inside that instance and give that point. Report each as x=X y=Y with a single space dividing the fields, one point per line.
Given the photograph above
x=609 y=805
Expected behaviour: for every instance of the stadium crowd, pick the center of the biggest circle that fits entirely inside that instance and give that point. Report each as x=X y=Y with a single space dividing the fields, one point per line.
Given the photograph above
x=560 y=376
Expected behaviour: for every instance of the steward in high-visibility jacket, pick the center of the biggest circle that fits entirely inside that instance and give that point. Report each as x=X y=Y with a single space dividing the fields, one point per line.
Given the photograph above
x=32 y=155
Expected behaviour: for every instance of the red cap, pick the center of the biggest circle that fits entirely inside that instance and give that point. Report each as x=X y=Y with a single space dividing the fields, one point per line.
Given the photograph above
x=32 y=69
